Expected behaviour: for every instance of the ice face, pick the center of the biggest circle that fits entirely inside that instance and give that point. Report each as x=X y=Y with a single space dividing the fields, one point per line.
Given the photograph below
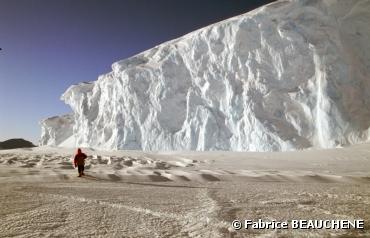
x=57 y=130
x=289 y=75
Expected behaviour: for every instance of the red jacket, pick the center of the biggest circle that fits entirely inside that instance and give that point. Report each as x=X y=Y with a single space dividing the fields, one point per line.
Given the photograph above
x=79 y=158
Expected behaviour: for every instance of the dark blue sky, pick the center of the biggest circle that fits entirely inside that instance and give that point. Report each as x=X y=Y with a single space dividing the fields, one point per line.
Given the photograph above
x=47 y=45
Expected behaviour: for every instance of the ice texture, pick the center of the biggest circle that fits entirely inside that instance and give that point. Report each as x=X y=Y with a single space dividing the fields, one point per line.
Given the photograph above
x=289 y=75
x=57 y=130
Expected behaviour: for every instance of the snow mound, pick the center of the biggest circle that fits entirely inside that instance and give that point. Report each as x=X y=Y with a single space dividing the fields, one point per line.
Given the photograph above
x=286 y=76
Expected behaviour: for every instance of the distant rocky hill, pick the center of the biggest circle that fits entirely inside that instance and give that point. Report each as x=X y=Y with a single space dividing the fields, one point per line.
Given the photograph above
x=15 y=143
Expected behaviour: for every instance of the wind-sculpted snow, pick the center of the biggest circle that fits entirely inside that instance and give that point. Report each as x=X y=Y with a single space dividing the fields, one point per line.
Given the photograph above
x=289 y=75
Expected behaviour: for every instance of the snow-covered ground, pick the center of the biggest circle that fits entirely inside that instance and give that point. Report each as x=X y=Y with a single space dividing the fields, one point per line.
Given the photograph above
x=183 y=194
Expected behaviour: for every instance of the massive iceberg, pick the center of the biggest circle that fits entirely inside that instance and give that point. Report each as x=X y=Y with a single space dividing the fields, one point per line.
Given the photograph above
x=289 y=75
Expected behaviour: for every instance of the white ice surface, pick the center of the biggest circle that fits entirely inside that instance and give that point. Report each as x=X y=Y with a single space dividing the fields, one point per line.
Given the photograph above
x=187 y=194
x=286 y=76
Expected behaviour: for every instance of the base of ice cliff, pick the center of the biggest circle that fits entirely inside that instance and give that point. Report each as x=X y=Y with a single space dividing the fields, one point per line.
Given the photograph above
x=286 y=76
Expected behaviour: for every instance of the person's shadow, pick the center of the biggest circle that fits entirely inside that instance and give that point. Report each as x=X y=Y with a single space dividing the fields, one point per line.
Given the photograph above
x=87 y=176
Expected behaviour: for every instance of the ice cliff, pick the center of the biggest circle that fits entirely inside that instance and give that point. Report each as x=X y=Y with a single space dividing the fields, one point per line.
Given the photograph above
x=289 y=75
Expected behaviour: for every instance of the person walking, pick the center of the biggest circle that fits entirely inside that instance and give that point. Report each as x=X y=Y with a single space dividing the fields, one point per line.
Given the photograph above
x=79 y=161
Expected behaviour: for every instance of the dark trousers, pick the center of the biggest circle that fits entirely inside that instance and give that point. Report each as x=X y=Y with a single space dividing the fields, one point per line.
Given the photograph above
x=81 y=168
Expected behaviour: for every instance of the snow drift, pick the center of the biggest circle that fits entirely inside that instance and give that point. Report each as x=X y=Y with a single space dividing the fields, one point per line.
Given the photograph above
x=286 y=76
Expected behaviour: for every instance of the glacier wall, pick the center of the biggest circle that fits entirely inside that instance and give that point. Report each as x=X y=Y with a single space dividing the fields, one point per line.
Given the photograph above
x=286 y=76
x=57 y=130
